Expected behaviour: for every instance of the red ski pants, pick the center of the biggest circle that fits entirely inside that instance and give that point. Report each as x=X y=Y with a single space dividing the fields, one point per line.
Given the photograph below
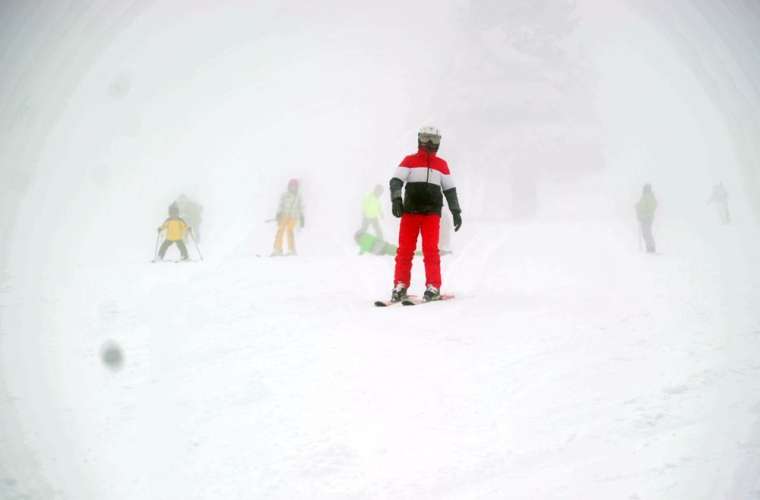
x=411 y=226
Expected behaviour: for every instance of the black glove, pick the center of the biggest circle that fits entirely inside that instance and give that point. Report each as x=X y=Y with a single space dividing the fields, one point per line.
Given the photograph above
x=457 y=220
x=301 y=221
x=398 y=207
x=453 y=201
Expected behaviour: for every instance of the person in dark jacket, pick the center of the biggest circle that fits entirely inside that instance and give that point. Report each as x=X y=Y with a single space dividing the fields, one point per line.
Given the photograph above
x=645 y=210
x=191 y=212
x=720 y=198
x=428 y=180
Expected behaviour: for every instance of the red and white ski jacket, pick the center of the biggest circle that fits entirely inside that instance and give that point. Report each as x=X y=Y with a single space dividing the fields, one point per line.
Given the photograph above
x=426 y=176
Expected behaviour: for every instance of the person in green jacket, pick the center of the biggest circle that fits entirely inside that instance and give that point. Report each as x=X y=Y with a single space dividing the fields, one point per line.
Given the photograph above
x=645 y=210
x=372 y=212
x=369 y=243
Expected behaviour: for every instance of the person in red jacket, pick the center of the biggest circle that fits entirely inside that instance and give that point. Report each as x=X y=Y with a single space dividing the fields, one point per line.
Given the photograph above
x=428 y=180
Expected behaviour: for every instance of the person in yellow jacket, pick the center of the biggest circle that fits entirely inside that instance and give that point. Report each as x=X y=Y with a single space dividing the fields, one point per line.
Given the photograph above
x=372 y=212
x=175 y=229
x=289 y=213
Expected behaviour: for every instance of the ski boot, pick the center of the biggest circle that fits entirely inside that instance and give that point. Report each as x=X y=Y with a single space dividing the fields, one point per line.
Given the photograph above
x=276 y=253
x=399 y=293
x=431 y=293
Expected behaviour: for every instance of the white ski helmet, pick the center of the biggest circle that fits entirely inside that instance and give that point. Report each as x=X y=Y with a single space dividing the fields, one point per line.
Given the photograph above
x=429 y=134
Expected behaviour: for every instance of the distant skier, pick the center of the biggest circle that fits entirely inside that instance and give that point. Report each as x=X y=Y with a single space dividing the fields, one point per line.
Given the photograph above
x=289 y=213
x=175 y=229
x=369 y=243
x=372 y=212
x=425 y=175
x=720 y=198
x=191 y=211
x=645 y=209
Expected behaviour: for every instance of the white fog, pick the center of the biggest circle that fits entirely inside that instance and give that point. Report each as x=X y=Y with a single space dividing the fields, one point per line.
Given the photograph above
x=591 y=342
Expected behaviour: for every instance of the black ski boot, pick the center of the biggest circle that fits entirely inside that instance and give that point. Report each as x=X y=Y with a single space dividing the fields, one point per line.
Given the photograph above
x=399 y=293
x=431 y=294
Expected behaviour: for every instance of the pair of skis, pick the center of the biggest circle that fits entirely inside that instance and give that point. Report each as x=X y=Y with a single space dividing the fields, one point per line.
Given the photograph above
x=411 y=300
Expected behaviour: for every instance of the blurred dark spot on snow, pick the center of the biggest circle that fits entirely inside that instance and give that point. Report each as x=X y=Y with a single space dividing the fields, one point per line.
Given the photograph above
x=111 y=355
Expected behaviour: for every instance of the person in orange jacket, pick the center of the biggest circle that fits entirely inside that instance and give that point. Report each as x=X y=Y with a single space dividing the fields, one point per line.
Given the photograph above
x=175 y=229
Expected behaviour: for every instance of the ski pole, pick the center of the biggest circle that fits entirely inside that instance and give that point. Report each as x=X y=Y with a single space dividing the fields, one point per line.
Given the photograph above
x=155 y=252
x=192 y=237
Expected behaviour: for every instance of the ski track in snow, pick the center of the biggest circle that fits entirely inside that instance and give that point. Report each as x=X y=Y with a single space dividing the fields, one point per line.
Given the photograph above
x=585 y=373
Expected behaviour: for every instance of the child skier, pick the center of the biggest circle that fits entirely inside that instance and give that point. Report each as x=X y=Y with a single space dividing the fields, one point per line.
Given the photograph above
x=426 y=175
x=175 y=228
x=645 y=209
x=289 y=213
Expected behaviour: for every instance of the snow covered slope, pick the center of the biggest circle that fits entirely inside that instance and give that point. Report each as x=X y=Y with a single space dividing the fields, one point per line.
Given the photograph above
x=597 y=372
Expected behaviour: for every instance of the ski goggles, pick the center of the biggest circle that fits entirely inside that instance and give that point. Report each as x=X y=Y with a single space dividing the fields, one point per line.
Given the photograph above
x=426 y=138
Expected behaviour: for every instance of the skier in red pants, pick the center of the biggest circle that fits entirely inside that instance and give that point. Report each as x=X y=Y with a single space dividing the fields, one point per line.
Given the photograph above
x=427 y=179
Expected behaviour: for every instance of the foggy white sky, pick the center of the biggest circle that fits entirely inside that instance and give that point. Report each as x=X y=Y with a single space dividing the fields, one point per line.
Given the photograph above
x=110 y=113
